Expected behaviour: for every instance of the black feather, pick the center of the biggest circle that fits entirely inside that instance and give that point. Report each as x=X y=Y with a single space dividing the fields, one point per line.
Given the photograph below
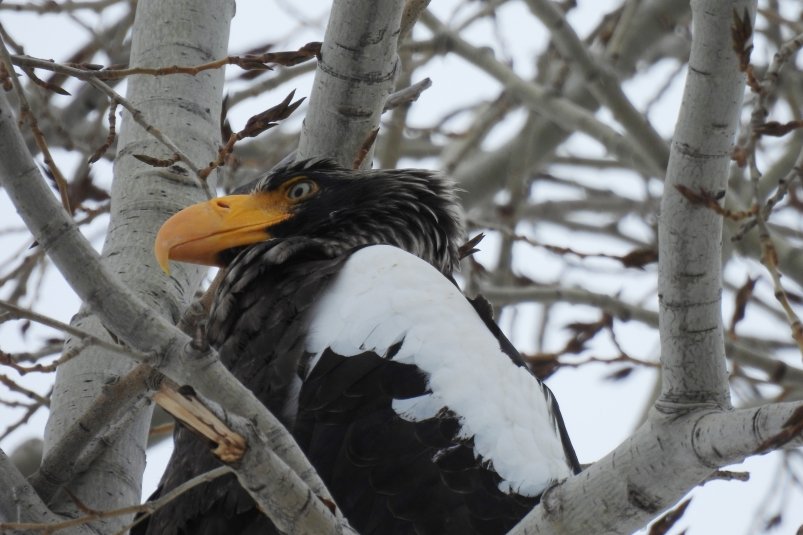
x=387 y=474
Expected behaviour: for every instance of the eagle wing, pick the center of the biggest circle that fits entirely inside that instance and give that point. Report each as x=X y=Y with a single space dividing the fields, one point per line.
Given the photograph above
x=413 y=414
x=413 y=407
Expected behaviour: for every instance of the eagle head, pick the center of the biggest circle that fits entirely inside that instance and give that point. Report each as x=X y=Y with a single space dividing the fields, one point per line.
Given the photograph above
x=413 y=209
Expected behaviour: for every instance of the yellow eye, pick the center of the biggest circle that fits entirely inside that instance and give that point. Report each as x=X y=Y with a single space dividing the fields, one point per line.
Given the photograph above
x=301 y=190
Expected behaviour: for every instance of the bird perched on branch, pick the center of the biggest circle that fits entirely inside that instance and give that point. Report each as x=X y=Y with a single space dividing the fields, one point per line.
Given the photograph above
x=339 y=312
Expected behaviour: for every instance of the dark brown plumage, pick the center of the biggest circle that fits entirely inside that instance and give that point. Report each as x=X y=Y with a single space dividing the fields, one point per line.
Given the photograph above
x=391 y=470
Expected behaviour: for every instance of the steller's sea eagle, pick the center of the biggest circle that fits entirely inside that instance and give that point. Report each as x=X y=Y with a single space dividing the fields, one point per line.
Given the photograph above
x=339 y=311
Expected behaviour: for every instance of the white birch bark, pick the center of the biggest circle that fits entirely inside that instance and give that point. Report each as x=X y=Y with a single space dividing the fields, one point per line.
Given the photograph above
x=158 y=343
x=690 y=236
x=691 y=431
x=355 y=75
x=19 y=502
x=187 y=109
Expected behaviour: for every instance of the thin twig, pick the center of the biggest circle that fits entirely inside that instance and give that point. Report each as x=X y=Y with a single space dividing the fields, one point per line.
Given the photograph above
x=58 y=7
x=766 y=89
x=152 y=130
x=69 y=329
x=10 y=361
x=98 y=154
x=146 y=509
x=638 y=258
x=34 y=396
x=247 y=62
x=27 y=113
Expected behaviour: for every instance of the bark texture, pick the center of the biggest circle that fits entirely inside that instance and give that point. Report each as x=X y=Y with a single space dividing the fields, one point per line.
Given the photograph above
x=356 y=73
x=689 y=427
x=186 y=108
x=691 y=431
x=690 y=235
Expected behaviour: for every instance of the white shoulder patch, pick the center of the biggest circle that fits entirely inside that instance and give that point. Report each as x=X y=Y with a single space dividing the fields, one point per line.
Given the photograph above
x=384 y=295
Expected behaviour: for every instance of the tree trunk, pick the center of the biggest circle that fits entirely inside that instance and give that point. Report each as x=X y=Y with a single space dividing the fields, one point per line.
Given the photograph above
x=187 y=109
x=686 y=434
x=354 y=78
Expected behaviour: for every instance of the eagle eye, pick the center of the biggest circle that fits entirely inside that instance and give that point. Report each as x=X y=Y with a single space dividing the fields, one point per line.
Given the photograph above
x=301 y=190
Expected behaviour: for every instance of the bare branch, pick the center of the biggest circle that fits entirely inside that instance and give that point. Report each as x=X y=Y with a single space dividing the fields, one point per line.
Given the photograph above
x=90 y=516
x=557 y=109
x=149 y=508
x=621 y=480
x=248 y=62
x=27 y=115
x=61 y=464
x=151 y=333
x=24 y=505
x=340 y=118
x=69 y=329
x=406 y=96
x=603 y=84
x=690 y=281
x=152 y=130
x=61 y=7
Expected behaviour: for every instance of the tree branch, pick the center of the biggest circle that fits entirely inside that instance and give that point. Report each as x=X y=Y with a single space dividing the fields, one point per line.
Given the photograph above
x=602 y=83
x=20 y=502
x=652 y=22
x=560 y=110
x=135 y=323
x=690 y=236
x=61 y=464
x=354 y=78
x=652 y=469
x=777 y=371
x=722 y=438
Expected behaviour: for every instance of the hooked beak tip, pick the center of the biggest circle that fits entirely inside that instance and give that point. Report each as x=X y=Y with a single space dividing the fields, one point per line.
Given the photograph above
x=162 y=253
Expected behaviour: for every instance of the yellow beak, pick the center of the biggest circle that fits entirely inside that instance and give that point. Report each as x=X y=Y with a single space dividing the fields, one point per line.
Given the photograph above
x=199 y=233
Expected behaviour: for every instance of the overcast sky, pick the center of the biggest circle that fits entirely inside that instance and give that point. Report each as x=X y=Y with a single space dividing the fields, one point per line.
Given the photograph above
x=598 y=413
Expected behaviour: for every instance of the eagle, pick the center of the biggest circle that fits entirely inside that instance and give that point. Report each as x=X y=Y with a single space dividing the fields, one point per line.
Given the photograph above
x=339 y=311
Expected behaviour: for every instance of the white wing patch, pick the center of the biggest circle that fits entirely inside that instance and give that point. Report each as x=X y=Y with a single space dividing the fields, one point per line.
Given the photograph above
x=420 y=408
x=384 y=295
